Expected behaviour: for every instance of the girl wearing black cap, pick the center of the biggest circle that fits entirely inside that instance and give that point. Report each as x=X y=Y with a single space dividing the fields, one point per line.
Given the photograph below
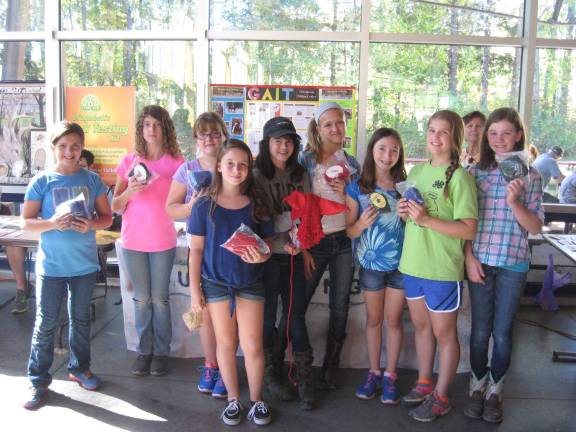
x=279 y=173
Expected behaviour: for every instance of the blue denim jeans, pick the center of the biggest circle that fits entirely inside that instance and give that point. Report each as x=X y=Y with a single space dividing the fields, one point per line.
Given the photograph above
x=494 y=307
x=335 y=252
x=50 y=292
x=277 y=283
x=149 y=274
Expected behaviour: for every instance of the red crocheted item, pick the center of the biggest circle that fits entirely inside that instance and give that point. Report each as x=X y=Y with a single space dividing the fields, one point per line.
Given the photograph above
x=310 y=208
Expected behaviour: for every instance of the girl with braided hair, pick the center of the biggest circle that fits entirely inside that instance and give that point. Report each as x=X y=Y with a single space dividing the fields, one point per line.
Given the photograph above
x=433 y=260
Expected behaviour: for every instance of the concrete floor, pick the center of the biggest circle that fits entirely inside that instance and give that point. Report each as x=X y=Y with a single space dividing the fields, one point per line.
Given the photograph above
x=540 y=395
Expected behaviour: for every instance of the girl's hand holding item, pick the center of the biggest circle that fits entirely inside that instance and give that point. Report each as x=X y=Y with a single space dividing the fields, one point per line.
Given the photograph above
x=80 y=224
x=514 y=190
x=291 y=249
x=338 y=186
x=309 y=264
x=474 y=269
x=368 y=217
x=62 y=221
x=195 y=195
x=417 y=213
x=253 y=256
x=134 y=186
x=402 y=209
x=196 y=302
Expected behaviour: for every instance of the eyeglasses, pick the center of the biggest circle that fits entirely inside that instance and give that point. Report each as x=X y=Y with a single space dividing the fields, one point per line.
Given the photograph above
x=207 y=136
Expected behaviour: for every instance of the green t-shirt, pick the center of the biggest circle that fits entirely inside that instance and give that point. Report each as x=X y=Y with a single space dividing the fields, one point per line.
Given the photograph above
x=427 y=253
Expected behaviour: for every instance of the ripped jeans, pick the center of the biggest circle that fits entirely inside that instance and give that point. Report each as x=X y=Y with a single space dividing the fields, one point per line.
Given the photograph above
x=149 y=274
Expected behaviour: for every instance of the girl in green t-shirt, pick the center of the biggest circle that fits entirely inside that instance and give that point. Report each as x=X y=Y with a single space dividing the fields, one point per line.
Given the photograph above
x=433 y=260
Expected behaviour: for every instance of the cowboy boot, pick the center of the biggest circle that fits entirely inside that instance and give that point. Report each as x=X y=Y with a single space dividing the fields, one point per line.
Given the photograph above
x=331 y=363
x=303 y=361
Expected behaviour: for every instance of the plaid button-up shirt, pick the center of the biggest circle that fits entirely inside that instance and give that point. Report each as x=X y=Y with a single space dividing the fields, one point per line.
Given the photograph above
x=501 y=240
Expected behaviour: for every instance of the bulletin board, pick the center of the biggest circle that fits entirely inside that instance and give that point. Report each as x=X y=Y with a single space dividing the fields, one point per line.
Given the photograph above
x=245 y=108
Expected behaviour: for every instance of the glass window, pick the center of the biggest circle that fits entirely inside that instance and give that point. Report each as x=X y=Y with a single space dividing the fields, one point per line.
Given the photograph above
x=556 y=19
x=408 y=83
x=162 y=72
x=309 y=15
x=21 y=15
x=296 y=63
x=22 y=61
x=554 y=101
x=128 y=15
x=453 y=17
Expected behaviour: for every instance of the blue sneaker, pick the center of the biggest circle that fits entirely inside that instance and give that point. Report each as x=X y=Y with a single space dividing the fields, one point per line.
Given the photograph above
x=37 y=397
x=219 y=391
x=370 y=387
x=207 y=379
x=390 y=394
x=87 y=380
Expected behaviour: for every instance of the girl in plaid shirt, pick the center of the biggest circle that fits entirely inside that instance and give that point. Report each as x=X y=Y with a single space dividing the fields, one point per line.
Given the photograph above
x=497 y=260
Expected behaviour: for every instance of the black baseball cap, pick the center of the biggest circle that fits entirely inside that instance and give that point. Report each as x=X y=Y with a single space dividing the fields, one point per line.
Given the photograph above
x=279 y=126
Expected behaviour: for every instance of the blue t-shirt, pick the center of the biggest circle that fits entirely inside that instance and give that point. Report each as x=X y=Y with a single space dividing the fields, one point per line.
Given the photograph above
x=65 y=253
x=567 y=193
x=219 y=264
x=547 y=166
x=379 y=247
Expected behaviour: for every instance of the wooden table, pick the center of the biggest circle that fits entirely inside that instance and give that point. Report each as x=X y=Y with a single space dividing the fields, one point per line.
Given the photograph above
x=566 y=244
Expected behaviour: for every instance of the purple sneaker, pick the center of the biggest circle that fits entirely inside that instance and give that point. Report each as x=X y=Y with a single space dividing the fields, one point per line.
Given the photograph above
x=370 y=386
x=207 y=379
x=389 y=391
x=219 y=391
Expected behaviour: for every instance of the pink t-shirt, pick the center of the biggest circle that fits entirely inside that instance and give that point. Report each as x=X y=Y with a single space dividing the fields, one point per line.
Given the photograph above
x=145 y=225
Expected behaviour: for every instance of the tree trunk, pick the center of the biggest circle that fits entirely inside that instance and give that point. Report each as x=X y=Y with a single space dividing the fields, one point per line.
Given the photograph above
x=129 y=47
x=17 y=15
x=453 y=55
x=566 y=68
x=485 y=60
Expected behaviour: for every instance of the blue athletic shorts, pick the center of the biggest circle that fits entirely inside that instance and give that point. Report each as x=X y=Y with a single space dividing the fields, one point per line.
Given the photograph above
x=440 y=296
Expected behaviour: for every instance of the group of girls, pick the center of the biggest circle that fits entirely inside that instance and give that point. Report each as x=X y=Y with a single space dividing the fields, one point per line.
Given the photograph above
x=473 y=220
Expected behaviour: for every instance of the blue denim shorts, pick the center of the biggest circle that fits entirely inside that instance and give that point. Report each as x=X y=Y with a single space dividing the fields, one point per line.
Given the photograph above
x=374 y=280
x=439 y=296
x=215 y=291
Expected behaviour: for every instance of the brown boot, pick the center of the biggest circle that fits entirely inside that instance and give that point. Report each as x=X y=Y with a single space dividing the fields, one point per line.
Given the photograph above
x=273 y=382
x=493 y=411
x=331 y=363
x=303 y=362
x=475 y=407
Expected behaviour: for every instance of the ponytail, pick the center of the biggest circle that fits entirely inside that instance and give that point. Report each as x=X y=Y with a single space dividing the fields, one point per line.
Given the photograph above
x=454 y=165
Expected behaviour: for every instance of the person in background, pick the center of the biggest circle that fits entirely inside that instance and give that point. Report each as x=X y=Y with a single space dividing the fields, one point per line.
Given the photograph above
x=86 y=159
x=547 y=166
x=533 y=153
x=473 y=126
x=567 y=195
x=210 y=133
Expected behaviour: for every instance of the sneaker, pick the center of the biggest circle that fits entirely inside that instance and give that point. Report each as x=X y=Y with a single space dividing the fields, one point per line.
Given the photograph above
x=87 y=380
x=418 y=393
x=219 y=391
x=141 y=366
x=493 y=412
x=431 y=409
x=390 y=394
x=159 y=366
x=38 y=396
x=232 y=414
x=207 y=379
x=475 y=407
x=259 y=413
x=20 y=304
x=371 y=385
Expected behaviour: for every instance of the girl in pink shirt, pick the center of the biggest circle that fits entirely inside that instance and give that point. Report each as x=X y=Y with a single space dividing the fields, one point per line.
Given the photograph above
x=148 y=234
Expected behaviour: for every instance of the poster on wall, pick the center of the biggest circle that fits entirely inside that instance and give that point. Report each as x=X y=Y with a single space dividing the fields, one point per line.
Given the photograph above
x=245 y=108
x=107 y=115
x=22 y=115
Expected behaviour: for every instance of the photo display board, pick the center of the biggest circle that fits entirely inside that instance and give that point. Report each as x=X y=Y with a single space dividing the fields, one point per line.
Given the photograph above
x=245 y=108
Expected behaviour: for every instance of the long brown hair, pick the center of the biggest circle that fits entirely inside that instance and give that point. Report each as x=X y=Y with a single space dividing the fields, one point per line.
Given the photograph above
x=487 y=155
x=260 y=207
x=367 y=182
x=457 y=135
x=169 y=144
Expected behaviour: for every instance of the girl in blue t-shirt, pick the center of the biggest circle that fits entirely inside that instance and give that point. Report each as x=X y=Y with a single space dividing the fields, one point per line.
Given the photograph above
x=232 y=285
x=209 y=133
x=67 y=259
x=379 y=232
